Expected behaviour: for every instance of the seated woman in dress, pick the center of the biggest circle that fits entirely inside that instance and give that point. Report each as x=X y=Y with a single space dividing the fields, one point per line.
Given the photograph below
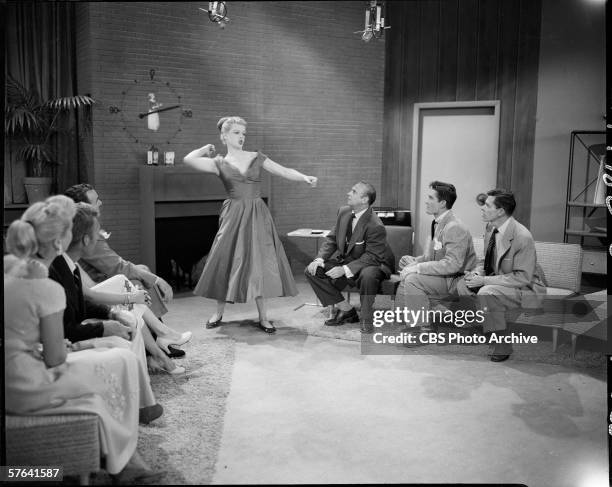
x=110 y=292
x=247 y=260
x=43 y=376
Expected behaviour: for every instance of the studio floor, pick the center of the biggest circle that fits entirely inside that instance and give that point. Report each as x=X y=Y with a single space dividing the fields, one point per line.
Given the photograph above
x=306 y=406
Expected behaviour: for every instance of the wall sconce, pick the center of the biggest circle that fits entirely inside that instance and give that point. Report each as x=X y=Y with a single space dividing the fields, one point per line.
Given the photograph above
x=217 y=12
x=374 y=21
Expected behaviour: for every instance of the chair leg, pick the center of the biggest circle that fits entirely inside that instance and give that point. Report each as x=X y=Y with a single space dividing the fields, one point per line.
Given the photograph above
x=574 y=340
x=555 y=333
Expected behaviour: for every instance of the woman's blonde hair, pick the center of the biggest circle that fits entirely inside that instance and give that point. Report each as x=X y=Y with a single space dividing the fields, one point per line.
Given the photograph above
x=39 y=226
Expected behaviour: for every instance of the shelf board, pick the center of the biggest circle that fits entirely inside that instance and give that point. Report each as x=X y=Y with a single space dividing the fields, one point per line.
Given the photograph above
x=586 y=205
x=16 y=206
x=585 y=233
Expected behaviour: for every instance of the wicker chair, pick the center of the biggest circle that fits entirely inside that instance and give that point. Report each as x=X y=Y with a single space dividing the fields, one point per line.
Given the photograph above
x=67 y=440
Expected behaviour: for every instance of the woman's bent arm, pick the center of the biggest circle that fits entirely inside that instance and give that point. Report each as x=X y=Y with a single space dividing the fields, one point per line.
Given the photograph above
x=200 y=159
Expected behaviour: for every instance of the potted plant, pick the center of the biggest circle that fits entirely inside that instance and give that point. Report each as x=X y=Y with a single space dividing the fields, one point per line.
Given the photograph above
x=33 y=123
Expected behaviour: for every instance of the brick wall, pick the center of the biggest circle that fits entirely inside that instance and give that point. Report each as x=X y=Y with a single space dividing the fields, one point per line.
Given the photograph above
x=310 y=89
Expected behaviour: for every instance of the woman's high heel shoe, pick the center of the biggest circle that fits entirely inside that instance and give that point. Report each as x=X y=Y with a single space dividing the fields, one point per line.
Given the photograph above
x=178 y=370
x=214 y=324
x=164 y=343
x=268 y=329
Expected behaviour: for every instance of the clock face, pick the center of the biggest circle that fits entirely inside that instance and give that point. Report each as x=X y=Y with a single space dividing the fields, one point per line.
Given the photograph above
x=151 y=111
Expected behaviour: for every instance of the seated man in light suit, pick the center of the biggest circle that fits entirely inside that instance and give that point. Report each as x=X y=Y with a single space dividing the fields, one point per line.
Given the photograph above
x=449 y=252
x=104 y=263
x=355 y=252
x=508 y=277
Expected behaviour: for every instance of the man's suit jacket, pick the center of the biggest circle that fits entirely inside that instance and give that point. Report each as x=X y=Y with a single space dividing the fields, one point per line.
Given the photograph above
x=77 y=308
x=104 y=262
x=451 y=252
x=516 y=264
x=366 y=247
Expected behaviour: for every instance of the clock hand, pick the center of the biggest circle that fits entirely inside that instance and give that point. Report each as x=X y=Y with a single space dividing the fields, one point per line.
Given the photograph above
x=146 y=114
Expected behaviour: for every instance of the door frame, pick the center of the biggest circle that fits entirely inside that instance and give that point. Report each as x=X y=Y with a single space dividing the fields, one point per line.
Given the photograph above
x=416 y=139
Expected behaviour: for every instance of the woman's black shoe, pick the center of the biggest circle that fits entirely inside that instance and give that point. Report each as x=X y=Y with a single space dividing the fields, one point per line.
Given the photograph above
x=174 y=352
x=213 y=324
x=269 y=329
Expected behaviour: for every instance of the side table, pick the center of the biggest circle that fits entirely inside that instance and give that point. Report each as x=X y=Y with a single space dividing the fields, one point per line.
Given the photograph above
x=315 y=235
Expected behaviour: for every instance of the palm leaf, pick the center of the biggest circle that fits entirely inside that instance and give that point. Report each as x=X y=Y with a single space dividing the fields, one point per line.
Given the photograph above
x=70 y=102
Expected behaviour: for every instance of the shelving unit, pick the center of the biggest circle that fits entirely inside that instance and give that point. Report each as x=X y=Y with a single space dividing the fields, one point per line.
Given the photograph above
x=585 y=214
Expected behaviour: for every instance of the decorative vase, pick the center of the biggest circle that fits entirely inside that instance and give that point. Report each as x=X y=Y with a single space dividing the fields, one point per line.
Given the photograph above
x=37 y=189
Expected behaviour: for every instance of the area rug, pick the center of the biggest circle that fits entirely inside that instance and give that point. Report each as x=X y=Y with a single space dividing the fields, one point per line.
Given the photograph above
x=310 y=320
x=184 y=442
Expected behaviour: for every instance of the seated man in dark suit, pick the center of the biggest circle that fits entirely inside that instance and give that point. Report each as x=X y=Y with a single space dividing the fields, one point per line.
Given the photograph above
x=355 y=252
x=508 y=277
x=91 y=323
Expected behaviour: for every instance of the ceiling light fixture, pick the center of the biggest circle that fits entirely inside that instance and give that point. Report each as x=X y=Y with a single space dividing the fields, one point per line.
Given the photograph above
x=374 y=21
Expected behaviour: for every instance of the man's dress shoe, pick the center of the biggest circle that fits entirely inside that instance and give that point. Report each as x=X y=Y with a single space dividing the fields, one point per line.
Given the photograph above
x=501 y=352
x=149 y=413
x=499 y=358
x=341 y=317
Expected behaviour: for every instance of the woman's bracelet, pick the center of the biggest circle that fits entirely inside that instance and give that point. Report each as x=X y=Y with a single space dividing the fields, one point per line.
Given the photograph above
x=126 y=299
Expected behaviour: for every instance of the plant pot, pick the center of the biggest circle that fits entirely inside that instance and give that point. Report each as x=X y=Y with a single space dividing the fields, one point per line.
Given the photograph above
x=37 y=189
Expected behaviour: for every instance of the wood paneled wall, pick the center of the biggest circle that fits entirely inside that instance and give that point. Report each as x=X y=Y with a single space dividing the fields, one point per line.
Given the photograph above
x=462 y=50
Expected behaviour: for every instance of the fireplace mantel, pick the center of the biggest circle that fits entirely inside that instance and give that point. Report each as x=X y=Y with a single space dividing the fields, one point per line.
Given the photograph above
x=178 y=191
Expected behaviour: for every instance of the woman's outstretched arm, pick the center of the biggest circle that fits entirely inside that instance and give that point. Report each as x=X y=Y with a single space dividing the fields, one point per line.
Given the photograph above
x=201 y=160
x=291 y=174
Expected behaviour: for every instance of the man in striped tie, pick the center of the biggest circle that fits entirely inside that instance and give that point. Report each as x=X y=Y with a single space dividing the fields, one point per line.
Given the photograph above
x=508 y=276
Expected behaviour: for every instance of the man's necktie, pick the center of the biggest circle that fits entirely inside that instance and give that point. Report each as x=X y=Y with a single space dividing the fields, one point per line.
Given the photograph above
x=490 y=255
x=349 y=230
x=77 y=277
x=433 y=228
x=80 y=297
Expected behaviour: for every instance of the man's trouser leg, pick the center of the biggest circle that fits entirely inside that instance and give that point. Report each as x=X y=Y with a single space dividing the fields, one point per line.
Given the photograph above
x=414 y=292
x=326 y=288
x=495 y=301
x=369 y=280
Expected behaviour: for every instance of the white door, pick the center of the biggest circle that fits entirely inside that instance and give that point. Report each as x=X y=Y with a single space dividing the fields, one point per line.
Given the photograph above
x=455 y=143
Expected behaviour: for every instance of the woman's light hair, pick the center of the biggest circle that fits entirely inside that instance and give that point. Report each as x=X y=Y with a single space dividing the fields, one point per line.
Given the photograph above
x=39 y=226
x=224 y=124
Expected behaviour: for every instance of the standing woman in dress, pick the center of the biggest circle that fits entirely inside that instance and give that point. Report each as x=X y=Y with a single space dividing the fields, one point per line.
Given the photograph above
x=247 y=260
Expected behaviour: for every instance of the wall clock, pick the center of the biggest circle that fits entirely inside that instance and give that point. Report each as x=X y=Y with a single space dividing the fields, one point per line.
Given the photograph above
x=151 y=111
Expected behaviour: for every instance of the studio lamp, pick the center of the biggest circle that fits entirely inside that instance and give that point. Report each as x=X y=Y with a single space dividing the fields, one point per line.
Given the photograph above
x=217 y=12
x=374 y=21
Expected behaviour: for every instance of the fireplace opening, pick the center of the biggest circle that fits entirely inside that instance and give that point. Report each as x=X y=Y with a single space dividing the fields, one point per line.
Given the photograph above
x=181 y=247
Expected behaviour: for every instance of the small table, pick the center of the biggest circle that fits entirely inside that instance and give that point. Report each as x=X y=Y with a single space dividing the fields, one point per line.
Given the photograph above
x=315 y=235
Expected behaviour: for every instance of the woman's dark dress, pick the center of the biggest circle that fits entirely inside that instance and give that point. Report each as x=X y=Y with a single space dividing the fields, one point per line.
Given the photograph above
x=247 y=258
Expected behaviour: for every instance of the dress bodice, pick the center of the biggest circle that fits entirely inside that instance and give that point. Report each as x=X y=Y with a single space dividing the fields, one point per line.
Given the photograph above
x=25 y=302
x=239 y=185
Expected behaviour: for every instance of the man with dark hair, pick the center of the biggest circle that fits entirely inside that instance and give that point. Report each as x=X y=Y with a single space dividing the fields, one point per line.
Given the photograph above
x=355 y=252
x=508 y=276
x=449 y=252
